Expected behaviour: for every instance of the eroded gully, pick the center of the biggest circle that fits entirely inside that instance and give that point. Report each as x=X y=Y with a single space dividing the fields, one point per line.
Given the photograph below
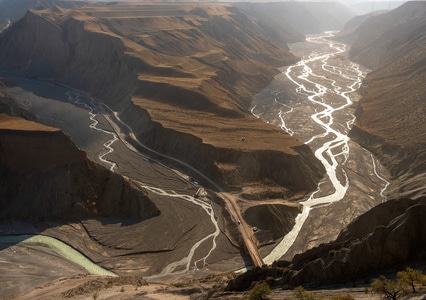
x=105 y=133
x=313 y=101
x=187 y=263
x=318 y=112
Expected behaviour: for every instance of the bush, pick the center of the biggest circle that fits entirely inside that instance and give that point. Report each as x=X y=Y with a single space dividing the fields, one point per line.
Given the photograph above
x=390 y=290
x=345 y=297
x=260 y=291
x=301 y=294
x=411 y=277
x=394 y=290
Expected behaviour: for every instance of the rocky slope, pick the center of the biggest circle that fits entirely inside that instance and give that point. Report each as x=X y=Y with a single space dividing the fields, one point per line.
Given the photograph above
x=390 y=235
x=180 y=75
x=390 y=116
x=44 y=177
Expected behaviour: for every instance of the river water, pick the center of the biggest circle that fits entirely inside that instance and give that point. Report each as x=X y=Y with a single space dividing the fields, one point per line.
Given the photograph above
x=314 y=101
x=98 y=130
x=46 y=243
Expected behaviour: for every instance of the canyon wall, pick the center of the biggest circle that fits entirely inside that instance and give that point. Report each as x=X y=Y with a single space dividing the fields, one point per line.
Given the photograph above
x=44 y=177
x=182 y=81
x=391 y=234
x=390 y=116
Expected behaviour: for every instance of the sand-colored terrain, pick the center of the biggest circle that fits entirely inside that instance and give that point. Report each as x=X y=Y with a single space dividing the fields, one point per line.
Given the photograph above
x=390 y=116
x=181 y=75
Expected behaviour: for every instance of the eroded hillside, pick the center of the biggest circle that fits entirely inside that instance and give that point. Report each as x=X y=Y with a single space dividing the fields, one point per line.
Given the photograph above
x=182 y=76
x=390 y=116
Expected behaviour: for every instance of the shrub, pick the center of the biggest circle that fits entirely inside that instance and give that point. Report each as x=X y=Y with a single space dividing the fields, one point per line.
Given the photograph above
x=390 y=290
x=260 y=291
x=301 y=294
x=345 y=297
x=411 y=277
x=407 y=280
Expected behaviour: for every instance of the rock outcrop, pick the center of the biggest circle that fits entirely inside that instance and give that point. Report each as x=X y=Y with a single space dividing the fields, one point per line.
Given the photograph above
x=390 y=116
x=393 y=233
x=181 y=75
x=384 y=237
x=45 y=177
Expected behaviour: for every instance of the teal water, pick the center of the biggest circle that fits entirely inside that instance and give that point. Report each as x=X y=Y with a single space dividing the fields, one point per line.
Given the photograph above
x=61 y=249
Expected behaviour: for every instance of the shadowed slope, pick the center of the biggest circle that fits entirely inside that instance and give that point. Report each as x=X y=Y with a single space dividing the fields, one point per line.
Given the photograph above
x=44 y=177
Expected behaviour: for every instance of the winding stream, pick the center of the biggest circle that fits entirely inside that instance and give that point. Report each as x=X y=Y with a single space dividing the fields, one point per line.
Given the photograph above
x=320 y=113
x=184 y=265
x=92 y=116
x=103 y=134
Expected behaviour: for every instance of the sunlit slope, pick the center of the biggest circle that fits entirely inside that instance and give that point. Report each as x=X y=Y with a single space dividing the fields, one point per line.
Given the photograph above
x=391 y=115
x=181 y=75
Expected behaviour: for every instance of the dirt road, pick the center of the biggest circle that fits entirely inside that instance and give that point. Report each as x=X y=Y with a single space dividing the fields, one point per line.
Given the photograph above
x=244 y=228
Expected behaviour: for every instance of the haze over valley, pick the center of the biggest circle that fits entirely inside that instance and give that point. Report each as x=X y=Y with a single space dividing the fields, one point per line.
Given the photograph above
x=165 y=143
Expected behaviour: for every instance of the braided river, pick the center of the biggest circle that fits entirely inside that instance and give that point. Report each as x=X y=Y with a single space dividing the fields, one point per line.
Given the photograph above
x=313 y=100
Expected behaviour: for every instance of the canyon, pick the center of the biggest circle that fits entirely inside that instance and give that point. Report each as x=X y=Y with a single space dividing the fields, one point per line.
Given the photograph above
x=165 y=91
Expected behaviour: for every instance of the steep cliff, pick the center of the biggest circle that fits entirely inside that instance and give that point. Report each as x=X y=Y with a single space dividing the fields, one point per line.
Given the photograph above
x=391 y=234
x=44 y=177
x=181 y=75
x=390 y=116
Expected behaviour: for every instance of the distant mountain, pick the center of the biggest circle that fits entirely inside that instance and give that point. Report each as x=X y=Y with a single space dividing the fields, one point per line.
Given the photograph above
x=13 y=10
x=373 y=6
x=305 y=17
x=385 y=37
x=348 y=34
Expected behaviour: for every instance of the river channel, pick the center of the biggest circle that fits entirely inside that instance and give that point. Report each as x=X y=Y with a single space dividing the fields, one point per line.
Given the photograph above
x=314 y=101
x=98 y=130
